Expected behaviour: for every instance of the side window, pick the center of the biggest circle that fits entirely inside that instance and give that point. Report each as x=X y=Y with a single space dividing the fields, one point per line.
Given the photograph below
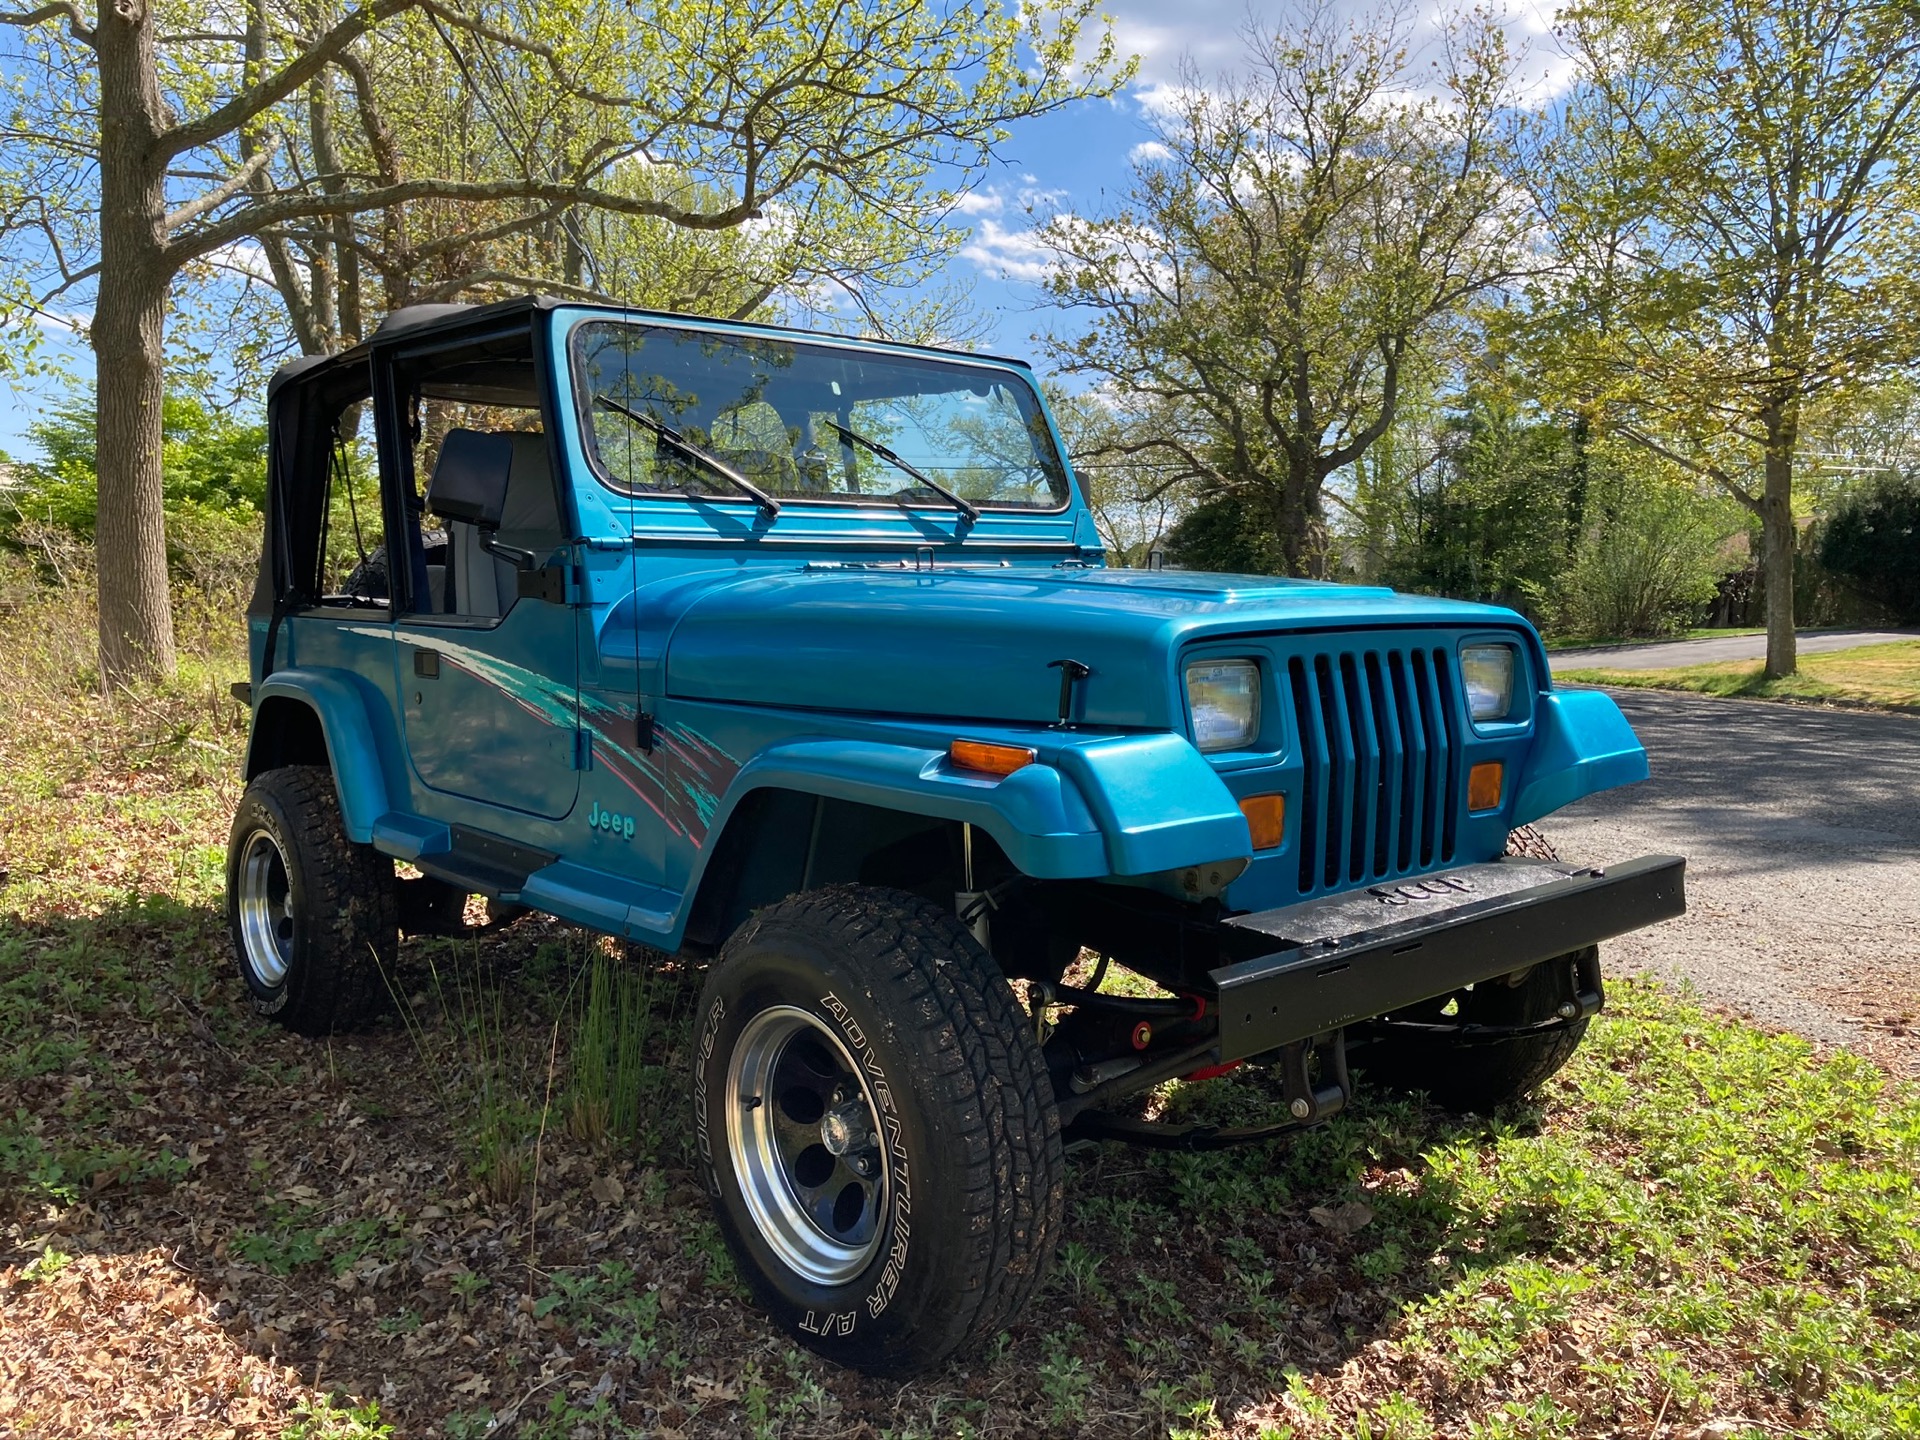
x=326 y=498
x=487 y=398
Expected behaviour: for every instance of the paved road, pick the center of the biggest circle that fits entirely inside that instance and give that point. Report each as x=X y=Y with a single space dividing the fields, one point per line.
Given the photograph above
x=1801 y=829
x=1703 y=652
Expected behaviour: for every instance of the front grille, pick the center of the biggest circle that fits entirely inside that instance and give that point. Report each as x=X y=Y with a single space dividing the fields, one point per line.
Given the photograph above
x=1381 y=743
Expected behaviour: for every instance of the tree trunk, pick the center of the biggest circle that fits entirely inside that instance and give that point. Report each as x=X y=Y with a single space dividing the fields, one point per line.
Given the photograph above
x=1777 y=542
x=136 y=621
x=1298 y=521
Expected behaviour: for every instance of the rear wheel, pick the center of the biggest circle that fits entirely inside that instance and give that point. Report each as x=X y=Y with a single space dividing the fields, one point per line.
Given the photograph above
x=876 y=1128
x=312 y=915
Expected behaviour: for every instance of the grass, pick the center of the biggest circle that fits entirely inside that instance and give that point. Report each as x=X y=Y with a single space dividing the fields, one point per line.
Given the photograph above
x=208 y=1224
x=1589 y=642
x=1884 y=676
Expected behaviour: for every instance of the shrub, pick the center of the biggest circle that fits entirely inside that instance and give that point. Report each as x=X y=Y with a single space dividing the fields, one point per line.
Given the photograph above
x=1648 y=558
x=1229 y=532
x=215 y=478
x=1872 y=541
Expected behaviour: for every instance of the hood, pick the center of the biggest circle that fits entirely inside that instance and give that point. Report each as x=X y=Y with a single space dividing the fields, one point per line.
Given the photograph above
x=977 y=644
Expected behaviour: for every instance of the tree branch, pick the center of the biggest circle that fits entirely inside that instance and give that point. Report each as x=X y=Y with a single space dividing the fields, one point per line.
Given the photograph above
x=261 y=214
x=1703 y=468
x=252 y=101
x=55 y=10
x=233 y=185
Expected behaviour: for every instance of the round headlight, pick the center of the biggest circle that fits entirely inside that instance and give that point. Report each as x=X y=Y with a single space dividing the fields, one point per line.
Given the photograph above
x=1487 y=672
x=1223 y=697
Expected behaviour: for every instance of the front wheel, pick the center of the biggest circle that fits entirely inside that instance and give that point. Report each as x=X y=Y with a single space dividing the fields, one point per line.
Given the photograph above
x=876 y=1128
x=1480 y=1075
x=1472 y=1074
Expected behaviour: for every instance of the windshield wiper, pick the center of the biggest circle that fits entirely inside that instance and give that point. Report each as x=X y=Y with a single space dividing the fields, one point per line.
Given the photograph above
x=959 y=502
x=694 y=453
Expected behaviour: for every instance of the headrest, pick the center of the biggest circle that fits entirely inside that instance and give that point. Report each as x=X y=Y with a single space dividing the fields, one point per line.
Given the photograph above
x=470 y=478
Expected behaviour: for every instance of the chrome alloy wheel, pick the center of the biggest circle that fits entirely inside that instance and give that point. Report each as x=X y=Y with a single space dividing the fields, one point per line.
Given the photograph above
x=266 y=910
x=804 y=1139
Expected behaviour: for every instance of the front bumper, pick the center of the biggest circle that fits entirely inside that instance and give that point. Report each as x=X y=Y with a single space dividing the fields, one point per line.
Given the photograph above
x=1370 y=952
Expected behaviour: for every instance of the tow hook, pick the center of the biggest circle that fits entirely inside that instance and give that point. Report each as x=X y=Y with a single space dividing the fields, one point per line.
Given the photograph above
x=1310 y=1101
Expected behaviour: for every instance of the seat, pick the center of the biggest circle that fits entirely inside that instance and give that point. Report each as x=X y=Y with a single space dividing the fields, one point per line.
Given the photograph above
x=480 y=582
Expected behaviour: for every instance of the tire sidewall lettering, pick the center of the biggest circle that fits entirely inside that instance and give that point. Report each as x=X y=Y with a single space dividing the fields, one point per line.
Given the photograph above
x=702 y=1110
x=719 y=1027
x=900 y=1196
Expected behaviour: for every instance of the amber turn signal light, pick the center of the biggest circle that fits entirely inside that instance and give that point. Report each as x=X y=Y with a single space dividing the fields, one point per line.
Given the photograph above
x=988 y=758
x=1266 y=819
x=1484 y=784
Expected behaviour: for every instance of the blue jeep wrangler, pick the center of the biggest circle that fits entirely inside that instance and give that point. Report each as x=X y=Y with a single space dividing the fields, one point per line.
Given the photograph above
x=800 y=653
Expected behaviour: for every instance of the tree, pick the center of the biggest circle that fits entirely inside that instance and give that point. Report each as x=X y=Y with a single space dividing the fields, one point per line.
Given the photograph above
x=1132 y=507
x=1649 y=553
x=1291 y=248
x=1872 y=539
x=1734 y=197
x=1499 y=513
x=143 y=145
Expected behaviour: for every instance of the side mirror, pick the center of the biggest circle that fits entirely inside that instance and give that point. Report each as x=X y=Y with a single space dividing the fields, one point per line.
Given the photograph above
x=469 y=482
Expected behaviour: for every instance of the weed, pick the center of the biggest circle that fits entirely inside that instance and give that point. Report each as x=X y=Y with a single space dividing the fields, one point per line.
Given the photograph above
x=1063 y=1379
x=1079 y=1268
x=47 y=1264
x=483 y=1069
x=328 y=1420
x=405 y=1322
x=617 y=1085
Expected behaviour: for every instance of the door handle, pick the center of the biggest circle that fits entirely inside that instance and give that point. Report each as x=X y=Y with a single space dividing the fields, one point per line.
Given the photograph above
x=426 y=664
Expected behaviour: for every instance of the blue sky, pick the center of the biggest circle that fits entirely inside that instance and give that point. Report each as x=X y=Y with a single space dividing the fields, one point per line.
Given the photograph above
x=1077 y=161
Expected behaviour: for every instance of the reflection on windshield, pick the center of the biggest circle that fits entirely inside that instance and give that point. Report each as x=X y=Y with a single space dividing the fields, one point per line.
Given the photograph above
x=784 y=415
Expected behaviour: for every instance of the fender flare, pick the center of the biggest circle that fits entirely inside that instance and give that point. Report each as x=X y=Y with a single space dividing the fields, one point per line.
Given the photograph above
x=1582 y=744
x=1124 y=805
x=340 y=705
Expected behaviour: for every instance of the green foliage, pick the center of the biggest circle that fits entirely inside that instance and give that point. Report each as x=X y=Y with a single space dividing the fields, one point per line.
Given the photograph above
x=47 y=1264
x=1872 y=540
x=617 y=1089
x=327 y=1419
x=1228 y=532
x=215 y=466
x=1297 y=243
x=214 y=475
x=1647 y=559
x=1495 y=517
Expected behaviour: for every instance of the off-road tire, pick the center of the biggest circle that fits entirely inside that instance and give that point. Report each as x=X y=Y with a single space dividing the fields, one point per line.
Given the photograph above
x=1480 y=1076
x=972 y=1203
x=344 y=922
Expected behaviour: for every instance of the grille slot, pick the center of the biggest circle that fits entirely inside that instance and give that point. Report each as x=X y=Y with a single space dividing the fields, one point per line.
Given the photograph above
x=1381 y=746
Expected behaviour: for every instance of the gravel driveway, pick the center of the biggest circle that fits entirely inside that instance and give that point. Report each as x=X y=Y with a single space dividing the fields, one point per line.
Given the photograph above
x=1712 y=651
x=1801 y=829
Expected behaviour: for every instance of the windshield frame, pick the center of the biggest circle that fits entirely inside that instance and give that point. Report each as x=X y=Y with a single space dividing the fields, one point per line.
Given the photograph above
x=1010 y=374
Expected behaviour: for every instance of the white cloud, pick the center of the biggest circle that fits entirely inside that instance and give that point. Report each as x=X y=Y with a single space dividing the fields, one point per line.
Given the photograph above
x=62 y=322
x=1209 y=37
x=980 y=202
x=1149 y=151
x=245 y=260
x=1008 y=254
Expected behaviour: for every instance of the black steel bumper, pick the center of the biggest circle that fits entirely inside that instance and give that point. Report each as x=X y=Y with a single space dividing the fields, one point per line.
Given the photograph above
x=1370 y=952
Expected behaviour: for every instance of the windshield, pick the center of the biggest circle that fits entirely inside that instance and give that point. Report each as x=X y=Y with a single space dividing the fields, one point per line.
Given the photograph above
x=809 y=422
